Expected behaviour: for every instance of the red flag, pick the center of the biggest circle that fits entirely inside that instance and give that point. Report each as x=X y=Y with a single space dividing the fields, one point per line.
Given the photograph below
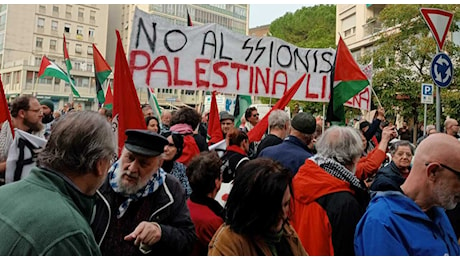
x=214 y=130
x=258 y=131
x=4 y=111
x=127 y=113
x=108 y=103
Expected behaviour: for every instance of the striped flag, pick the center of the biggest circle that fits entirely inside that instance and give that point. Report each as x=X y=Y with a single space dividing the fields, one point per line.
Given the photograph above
x=241 y=104
x=51 y=69
x=102 y=70
x=69 y=67
x=153 y=102
x=108 y=101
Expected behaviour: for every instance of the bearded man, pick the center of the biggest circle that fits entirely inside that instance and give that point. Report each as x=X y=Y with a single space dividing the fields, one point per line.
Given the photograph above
x=26 y=115
x=141 y=210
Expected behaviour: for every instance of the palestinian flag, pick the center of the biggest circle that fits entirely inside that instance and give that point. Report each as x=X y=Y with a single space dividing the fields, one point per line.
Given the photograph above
x=51 y=69
x=349 y=80
x=4 y=111
x=68 y=64
x=108 y=100
x=101 y=71
x=153 y=102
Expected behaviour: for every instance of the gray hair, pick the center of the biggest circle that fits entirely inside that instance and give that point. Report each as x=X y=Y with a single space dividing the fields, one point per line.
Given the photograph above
x=394 y=146
x=340 y=143
x=77 y=142
x=278 y=119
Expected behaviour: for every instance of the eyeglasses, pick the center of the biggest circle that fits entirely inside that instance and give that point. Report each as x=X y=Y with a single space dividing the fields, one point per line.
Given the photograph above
x=255 y=115
x=446 y=167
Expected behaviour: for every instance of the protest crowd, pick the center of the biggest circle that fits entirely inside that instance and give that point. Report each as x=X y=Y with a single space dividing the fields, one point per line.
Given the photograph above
x=135 y=179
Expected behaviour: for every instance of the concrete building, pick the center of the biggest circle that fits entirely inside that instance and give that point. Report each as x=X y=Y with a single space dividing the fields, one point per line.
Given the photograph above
x=260 y=31
x=30 y=31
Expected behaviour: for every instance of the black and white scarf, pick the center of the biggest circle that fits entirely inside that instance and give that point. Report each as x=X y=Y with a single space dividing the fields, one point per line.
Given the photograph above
x=337 y=170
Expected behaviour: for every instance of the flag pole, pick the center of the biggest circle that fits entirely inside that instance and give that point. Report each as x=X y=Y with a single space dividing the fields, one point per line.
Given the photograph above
x=34 y=93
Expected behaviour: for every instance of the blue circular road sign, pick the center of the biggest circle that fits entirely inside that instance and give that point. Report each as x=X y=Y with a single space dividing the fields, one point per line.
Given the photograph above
x=442 y=70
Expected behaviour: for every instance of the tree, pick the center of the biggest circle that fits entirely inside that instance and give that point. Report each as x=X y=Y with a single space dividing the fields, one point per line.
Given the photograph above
x=309 y=27
x=402 y=57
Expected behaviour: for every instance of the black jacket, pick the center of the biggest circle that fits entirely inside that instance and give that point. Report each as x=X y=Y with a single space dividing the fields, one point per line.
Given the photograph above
x=166 y=206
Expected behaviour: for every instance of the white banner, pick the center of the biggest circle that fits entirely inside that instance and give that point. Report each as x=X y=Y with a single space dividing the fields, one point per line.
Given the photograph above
x=210 y=57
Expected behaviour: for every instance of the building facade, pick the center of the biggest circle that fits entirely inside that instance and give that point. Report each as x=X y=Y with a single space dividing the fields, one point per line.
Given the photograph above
x=30 y=31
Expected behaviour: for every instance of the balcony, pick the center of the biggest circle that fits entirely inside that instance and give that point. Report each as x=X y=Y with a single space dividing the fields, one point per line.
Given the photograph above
x=372 y=26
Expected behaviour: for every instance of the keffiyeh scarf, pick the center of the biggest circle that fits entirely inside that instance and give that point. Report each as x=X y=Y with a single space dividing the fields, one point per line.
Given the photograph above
x=337 y=170
x=153 y=184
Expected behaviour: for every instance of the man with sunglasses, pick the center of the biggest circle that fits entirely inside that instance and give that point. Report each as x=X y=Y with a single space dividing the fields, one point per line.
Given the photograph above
x=413 y=221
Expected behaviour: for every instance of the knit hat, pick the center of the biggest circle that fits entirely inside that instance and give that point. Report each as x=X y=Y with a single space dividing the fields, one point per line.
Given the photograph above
x=48 y=103
x=304 y=122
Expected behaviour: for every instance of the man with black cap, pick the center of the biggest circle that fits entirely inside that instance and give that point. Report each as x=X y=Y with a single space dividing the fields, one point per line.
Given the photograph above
x=293 y=151
x=48 y=118
x=141 y=210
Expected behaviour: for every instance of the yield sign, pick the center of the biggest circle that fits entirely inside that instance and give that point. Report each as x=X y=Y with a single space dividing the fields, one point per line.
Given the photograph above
x=439 y=22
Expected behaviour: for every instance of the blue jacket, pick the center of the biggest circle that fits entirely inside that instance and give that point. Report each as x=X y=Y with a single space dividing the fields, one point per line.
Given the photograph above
x=395 y=225
x=291 y=153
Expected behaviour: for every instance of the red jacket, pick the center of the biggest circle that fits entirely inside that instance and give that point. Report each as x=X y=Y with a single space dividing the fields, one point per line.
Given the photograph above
x=206 y=224
x=325 y=211
x=370 y=164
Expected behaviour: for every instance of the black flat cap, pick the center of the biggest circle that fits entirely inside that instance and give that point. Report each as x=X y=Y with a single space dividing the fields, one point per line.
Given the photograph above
x=304 y=122
x=145 y=142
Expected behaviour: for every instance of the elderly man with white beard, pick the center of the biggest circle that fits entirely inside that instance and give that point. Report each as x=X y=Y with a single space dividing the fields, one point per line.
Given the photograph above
x=141 y=210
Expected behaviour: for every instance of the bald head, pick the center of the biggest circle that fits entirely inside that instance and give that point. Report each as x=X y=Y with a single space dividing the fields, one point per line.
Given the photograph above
x=451 y=126
x=434 y=179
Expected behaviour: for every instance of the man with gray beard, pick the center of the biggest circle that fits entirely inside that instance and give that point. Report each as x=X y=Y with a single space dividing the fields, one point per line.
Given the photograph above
x=412 y=221
x=141 y=209
x=26 y=115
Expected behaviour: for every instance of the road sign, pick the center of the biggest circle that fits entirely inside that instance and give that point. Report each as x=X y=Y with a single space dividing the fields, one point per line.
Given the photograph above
x=427 y=93
x=441 y=70
x=439 y=22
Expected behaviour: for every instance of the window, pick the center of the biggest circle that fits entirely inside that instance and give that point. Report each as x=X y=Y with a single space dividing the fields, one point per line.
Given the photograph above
x=349 y=25
x=52 y=44
x=54 y=26
x=68 y=11
x=89 y=67
x=90 y=50
x=67 y=28
x=2 y=22
x=55 y=10
x=42 y=9
x=80 y=30
x=91 y=33
x=38 y=61
x=39 y=42
x=29 y=77
x=1 y=41
x=92 y=16
x=77 y=49
x=77 y=65
x=41 y=23
x=80 y=14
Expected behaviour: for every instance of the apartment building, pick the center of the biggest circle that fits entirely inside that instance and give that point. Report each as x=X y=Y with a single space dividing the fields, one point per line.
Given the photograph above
x=232 y=16
x=29 y=31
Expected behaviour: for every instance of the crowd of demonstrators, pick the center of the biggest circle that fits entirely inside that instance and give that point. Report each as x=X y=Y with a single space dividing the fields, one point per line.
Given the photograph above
x=48 y=212
x=207 y=214
x=279 y=125
x=141 y=210
x=293 y=151
x=257 y=214
x=236 y=153
x=412 y=220
x=160 y=196
x=173 y=150
x=328 y=192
